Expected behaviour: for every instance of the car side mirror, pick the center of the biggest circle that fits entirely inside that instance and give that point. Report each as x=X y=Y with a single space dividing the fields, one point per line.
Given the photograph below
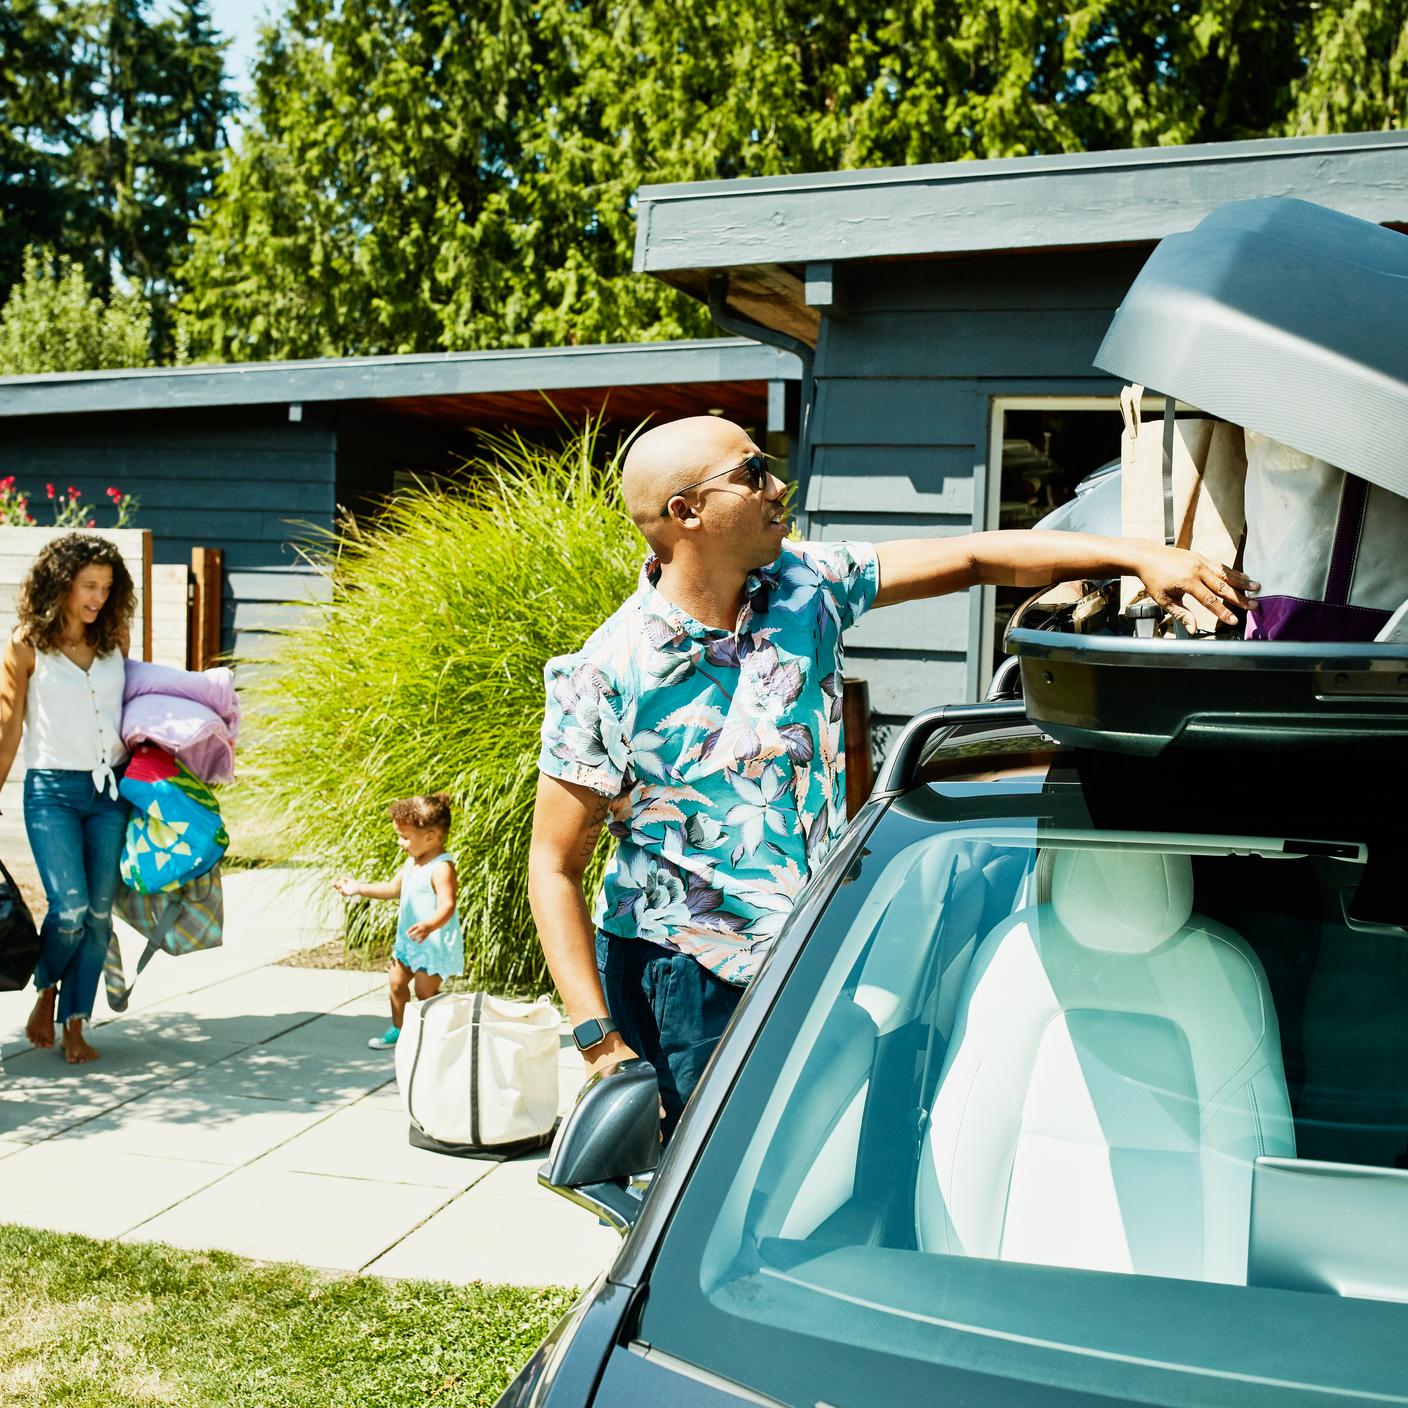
x=610 y=1137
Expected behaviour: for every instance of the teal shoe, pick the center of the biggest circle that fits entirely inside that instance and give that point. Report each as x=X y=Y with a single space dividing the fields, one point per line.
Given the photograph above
x=386 y=1040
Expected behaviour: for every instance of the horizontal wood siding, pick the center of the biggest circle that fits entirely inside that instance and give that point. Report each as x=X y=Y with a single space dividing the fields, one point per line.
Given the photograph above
x=259 y=604
x=246 y=481
x=905 y=370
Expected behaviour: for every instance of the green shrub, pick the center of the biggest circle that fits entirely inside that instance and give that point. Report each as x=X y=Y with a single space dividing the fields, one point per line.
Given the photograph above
x=425 y=673
x=53 y=322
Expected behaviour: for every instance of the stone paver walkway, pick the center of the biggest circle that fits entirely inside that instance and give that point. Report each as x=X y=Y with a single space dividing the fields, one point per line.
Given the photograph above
x=236 y=1106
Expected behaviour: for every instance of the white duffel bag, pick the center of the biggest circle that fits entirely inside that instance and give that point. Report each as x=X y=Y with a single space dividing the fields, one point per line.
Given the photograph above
x=478 y=1073
x=1327 y=547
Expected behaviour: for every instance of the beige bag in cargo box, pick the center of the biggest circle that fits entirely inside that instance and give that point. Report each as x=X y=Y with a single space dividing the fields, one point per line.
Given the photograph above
x=478 y=1074
x=1182 y=482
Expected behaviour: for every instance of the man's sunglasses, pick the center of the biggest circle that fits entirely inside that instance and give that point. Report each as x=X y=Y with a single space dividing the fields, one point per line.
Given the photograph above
x=758 y=476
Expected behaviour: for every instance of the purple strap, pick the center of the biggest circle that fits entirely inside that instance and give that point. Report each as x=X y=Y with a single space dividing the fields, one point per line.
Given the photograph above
x=1353 y=499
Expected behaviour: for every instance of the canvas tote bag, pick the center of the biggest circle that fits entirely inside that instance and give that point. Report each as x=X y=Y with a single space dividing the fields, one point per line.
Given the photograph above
x=478 y=1073
x=1182 y=483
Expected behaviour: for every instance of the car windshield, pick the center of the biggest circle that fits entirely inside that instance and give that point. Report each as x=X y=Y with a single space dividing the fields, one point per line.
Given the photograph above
x=1094 y=1077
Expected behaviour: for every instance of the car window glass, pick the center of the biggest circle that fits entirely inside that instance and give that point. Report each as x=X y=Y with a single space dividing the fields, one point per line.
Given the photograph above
x=1029 y=1066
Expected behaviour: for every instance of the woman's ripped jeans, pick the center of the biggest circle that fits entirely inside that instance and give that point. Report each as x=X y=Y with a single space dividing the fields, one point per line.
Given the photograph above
x=76 y=834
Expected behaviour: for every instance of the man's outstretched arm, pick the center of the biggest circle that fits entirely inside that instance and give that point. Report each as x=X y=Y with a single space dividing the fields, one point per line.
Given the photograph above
x=918 y=567
x=567 y=819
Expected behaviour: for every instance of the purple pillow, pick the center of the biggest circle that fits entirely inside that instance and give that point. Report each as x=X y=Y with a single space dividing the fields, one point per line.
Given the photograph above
x=197 y=735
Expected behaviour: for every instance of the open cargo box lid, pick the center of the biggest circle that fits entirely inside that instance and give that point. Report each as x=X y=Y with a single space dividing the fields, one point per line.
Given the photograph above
x=1289 y=319
x=1284 y=317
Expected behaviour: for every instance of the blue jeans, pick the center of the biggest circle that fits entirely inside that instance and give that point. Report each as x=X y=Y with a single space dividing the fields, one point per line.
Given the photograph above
x=76 y=834
x=669 y=1008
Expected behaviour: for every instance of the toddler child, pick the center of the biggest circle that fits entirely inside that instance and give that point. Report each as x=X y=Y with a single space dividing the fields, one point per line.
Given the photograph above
x=429 y=945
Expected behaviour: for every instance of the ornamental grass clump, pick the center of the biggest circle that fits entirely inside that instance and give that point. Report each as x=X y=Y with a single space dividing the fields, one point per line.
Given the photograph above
x=424 y=673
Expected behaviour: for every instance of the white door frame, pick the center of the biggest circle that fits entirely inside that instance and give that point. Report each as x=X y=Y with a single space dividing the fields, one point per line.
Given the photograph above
x=998 y=406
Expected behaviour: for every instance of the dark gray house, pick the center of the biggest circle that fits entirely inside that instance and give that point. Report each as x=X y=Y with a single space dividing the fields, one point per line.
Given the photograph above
x=947 y=317
x=255 y=458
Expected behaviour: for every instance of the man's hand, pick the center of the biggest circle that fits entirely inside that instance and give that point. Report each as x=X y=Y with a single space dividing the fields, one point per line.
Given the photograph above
x=611 y=1052
x=1171 y=575
x=346 y=886
x=608 y=1052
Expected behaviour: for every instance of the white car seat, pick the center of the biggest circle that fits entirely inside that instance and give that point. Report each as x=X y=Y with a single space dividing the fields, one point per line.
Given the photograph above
x=1115 y=1068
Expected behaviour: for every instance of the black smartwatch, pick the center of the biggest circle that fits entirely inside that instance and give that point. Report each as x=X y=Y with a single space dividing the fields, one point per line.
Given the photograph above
x=592 y=1032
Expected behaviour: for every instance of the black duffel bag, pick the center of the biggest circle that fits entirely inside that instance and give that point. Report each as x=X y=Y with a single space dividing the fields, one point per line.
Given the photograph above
x=19 y=939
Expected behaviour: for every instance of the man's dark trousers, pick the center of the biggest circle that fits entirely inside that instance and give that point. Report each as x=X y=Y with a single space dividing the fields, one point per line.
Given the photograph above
x=669 y=1009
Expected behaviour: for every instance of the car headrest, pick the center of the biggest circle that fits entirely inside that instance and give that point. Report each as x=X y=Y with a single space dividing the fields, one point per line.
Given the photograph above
x=1121 y=901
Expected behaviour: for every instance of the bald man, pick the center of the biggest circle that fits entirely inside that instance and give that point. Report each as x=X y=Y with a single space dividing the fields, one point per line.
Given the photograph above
x=701 y=724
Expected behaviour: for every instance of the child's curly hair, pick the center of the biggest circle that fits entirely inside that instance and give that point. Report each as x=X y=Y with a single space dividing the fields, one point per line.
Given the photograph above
x=429 y=812
x=46 y=587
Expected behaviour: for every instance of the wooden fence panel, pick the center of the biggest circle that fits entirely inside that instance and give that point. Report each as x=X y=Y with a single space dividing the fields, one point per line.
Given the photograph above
x=171 y=591
x=207 y=600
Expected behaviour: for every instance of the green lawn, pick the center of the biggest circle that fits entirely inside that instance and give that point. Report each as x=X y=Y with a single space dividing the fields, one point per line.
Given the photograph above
x=88 y=1324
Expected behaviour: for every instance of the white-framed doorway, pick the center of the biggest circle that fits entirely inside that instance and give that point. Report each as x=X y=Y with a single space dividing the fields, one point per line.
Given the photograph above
x=1078 y=434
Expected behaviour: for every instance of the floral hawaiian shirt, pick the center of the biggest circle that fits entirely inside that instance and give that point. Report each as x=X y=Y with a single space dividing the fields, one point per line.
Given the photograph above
x=721 y=751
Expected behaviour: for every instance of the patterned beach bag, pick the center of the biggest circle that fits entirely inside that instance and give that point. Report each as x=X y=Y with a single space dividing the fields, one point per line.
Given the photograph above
x=175 y=834
x=177 y=922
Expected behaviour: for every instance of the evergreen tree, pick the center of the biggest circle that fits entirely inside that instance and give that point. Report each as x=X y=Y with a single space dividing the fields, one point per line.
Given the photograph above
x=1356 y=77
x=40 y=119
x=355 y=206
x=111 y=133
x=422 y=175
x=159 y=105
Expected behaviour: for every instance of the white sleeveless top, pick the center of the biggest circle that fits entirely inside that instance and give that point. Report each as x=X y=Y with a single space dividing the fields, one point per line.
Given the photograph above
x=73 y=717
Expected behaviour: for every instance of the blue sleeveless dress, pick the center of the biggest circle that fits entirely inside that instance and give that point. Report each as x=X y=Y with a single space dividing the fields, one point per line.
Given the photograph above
x=441 y=953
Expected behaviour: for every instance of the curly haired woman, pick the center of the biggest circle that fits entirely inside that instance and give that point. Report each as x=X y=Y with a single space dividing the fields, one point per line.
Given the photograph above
x=61 y=685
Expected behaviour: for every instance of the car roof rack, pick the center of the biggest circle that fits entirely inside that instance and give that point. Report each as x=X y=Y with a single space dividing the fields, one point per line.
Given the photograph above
x=1139 y=695
x=901 y=765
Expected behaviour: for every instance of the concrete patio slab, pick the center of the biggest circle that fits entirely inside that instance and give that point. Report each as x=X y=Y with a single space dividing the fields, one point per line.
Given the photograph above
x=135 y=1058
x=237 y=1107
x=268 y=915
x=341 y=1224
x=342 y=1031
x=518 y=1178
x=369 y=1141
x=526 y=1238
x=28 y=1119
x=272 y=1072
x=228 y=1129
x=387 y=1097
x=287 y=996
x=51 y=1185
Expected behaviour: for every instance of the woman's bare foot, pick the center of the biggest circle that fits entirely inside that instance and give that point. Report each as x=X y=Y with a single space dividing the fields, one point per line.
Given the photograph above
x=39 y=1030
x=76 y=1050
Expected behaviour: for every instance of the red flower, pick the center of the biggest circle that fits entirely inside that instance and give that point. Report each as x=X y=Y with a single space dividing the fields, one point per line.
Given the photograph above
x=8 y=482
x=73 y=493
x=114 y=494
x=92 y=522
x=49 y=489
